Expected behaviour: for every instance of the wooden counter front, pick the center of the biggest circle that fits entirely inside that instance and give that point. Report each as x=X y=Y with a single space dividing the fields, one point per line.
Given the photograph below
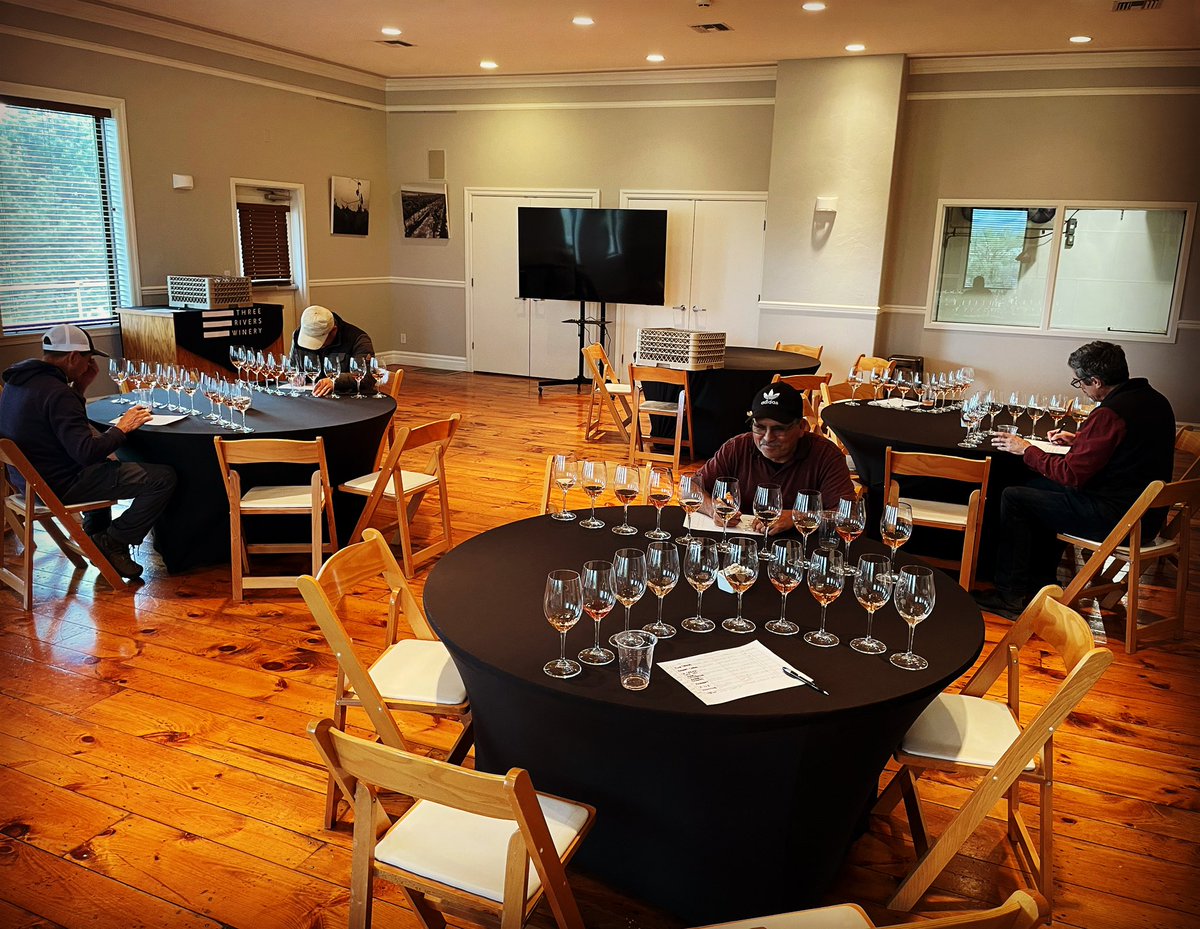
x=199 y=338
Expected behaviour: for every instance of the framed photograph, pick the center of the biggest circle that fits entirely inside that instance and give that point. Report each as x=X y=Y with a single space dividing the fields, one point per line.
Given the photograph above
x=350 y=205
x=424 y=209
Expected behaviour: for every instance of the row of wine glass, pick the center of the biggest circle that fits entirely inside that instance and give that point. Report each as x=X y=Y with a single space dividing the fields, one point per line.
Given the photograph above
x=142 y=379
x=989 y=405
x=931 y=389
x=286 y=372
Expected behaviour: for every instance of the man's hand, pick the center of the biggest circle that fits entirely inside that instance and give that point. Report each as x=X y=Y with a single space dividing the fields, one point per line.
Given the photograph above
x=134 y=418
x=1061 y=437
x=783 y=524
x=89 y=374
x=1010 y=443
x=323 y=387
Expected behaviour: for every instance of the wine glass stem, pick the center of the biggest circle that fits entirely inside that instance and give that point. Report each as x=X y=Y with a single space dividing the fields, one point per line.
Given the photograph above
x=627 y=609
x=783 y=608
x=593 y=520
x=625 y=520
x=766 y=532
x=739 y=610
x=658 y=529
x=911 y=631
x=823 y=617
x=870 y=620
x=699 y=601
x=660 y=600
x=562 y=648
x=564 y=505
x=597 y=645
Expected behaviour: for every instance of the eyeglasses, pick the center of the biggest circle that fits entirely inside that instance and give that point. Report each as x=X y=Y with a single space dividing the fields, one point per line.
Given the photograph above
x=1078 y=382
x=758 y=429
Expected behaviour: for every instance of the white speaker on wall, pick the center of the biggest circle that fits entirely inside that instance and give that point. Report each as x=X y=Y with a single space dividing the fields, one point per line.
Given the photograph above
x=437 y=164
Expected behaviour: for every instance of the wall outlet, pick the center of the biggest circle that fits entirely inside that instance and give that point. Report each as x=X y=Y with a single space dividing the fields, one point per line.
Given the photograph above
x=404 y=338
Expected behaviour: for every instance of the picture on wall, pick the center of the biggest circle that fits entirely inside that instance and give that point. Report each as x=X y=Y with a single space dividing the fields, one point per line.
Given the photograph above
x=350 y=205
x=424 y=209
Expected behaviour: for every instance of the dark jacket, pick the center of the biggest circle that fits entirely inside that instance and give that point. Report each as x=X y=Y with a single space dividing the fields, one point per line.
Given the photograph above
x=47 y=418
x=350 y=342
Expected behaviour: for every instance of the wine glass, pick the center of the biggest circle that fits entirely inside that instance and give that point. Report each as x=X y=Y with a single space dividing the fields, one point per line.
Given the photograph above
x=691 y=496
x=826 y=578
x=332 y=365
x=740 y=567
x=662 y=574
x=872 y=587
x=905 y=384
x=626 y=485
x=785 y=571
x=564 y=473
x=768 y=507
x=854 y=379
x=806 y=514
x=190 y=382
x=851 y=521
x=1015 y=406
x=117 y=372
x=895 y=527
x=599 y=597
x=700 y=565
x=379 y=372
x=311 y=369
x=563 y=605
x=237 y=358
x=1035 y=406
x=914 y=599
x=240 y=399
x=1057 y=407
x=258 y=367
x=593 y=477
x=356 y=371
x=726 y=501
x=660 y=488
x=629 y=576
x=1081 y=408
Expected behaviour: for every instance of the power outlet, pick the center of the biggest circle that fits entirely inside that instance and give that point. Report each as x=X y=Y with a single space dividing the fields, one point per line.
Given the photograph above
x=404 y=338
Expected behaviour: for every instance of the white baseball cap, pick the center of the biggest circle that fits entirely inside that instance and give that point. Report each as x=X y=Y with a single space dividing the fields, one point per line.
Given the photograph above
x=315 y=325
x=69 y=339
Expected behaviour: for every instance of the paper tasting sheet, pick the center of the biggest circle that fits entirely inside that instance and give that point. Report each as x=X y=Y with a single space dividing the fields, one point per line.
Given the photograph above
x=732 y=673
x=745 y=526
x=1050 y=447
x=156 y=420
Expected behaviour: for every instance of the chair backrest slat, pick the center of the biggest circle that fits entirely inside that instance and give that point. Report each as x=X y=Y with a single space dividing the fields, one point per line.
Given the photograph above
x=813 y=351
x=260 y=451
x=643 y=374
x=948 y=467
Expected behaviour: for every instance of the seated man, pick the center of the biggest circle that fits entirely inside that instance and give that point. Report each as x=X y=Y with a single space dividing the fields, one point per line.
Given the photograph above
x=1127 y=442
x=779 y=449
x=43 y=411
x=323 y=334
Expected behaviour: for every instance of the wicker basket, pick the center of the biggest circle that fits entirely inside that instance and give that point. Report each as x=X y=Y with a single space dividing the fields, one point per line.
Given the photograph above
x=208 y=293
x=681 y=349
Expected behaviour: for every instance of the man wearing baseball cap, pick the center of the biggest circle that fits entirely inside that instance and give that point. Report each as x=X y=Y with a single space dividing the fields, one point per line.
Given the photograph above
x=323 y=334
x=43 y=411
x=779 y=449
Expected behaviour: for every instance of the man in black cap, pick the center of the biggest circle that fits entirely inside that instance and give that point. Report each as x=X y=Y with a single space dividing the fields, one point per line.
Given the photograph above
x=43 y=411
x=779 y=449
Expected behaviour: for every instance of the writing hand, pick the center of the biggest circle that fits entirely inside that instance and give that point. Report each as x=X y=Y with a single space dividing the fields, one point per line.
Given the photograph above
x=323 y=387
x=134 y=418
x=1060 y=436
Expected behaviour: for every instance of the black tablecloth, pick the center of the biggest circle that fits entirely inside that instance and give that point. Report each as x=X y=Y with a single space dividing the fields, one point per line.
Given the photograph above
x=194 y=528
x=711 y=812
x=721 y=396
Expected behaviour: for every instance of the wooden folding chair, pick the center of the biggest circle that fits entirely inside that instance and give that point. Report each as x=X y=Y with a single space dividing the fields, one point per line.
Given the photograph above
x=1124 y=548
x=810 y=386
x=404 y=490
x=966 y=733
x=465 y=847
x=314 y=498
x=607 y=393
x=1187 y=441
x=395 y=379
x=414 y=675
x=813 y=351
x=679 y=410
x=874 y=363
x=1023 y=909
x=23 y=510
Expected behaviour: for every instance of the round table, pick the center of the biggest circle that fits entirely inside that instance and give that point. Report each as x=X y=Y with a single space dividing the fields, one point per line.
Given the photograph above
x=710 y=812
x=194 y=528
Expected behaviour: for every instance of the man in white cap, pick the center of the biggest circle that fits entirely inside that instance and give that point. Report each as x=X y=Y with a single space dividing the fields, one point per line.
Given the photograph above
x=43 y=411
x=323 y=334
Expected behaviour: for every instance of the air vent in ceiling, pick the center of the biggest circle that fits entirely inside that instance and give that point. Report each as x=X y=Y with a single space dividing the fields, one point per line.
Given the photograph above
x=712 y=27
x=1125 y=6
x=398 y=43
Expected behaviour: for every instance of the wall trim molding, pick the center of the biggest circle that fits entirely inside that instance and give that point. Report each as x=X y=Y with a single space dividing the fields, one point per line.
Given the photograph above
x=411 y=281
x=902 y=310
x=424 y=360
x=788 y=308
x=429 y=282
x=588 y=79
x=1066 y=61
x=579 y=105
x=1188 y=324
x=1054 y=92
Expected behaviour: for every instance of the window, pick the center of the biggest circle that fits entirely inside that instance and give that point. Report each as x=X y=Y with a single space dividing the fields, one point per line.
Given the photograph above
x=263 y=237
x=1064 y=268
x=64 y=236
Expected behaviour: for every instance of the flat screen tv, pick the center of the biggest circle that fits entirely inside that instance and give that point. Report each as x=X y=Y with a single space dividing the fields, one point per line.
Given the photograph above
x=604 y=256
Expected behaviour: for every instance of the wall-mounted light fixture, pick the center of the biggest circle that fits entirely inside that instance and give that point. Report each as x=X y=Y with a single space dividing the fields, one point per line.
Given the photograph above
x=827 y=205
x=181 y=181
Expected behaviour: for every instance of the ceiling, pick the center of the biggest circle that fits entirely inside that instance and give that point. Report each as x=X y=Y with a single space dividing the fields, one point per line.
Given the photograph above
x=523 y=37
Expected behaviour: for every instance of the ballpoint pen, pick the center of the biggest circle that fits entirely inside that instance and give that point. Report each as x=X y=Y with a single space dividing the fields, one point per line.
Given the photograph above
x=804 y=679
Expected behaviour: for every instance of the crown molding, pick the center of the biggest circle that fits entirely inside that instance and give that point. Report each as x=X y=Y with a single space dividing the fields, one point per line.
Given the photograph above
x=1067 y=61
x=1130 y=91
x=581 y=105
x=587 y=79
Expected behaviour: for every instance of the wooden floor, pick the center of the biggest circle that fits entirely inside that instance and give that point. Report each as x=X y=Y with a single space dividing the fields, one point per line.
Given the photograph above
x=155 y=770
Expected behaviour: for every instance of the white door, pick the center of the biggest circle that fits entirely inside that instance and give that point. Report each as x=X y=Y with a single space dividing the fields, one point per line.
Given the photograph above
x=727 y=260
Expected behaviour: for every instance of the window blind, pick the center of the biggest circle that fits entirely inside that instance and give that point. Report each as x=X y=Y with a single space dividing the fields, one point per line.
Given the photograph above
x=263 y=229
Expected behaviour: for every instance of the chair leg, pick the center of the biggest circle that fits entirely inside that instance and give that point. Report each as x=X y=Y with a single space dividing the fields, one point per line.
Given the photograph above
x=1133 y=579
x=426 y=915
x=237 y=553
x=466 y=739
x=60 y=539
x=27 y=550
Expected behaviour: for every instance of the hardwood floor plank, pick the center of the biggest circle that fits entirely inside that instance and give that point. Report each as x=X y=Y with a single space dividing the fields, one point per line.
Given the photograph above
x=48 y=817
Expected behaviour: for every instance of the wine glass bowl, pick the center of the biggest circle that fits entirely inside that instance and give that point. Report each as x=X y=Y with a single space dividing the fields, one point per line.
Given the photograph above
x=914 y=597
x=740 y=569
x=562 y=604
x=826 y=579
x=662 y=574
x=660 y=489
x=785 y=570
x=700 y=566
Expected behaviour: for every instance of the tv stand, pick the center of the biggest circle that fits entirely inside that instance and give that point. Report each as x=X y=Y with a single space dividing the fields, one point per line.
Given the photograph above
x=582 y=321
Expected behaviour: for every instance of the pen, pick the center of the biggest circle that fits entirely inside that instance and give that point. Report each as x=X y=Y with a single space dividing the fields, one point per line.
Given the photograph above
x=804 y=679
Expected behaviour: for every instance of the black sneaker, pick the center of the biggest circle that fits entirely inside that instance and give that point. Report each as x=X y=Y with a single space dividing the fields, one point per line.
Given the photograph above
x=118 y=554
x=992 y=601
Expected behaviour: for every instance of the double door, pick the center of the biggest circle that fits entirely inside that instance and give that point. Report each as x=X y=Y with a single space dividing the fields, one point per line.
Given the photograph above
x=508 y=334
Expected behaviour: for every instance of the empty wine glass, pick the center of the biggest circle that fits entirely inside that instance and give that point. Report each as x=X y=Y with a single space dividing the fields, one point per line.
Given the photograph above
x=190 y=382
x=564 y=474
x=662 y=574
x=240 y=399
x=117 y=372
x=700 y=565
x=379 y=373
x=563 y=605
x=629 y=576
x=851 y=521
x=726 y=502
x=599 y=597
x=768 y=507
x=258 y=367
x=311 y=369
x=660 y=488
x=332 y=364
x=914 y=599
x=691 y=496
x=358 y=370
x=855 y=380
x=826 y=578
x=593 y=477
x=626 y=485
x=740 y=567
x=872 y=587
x=785 y=571
x=806 y=514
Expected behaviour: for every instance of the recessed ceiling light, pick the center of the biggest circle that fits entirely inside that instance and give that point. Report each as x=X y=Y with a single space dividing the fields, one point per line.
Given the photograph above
x=390 y=30
x=814 y=7
x=1081 y=39
x=583 y=21
x=488 y=65
x=655 y=58
x=856 y=47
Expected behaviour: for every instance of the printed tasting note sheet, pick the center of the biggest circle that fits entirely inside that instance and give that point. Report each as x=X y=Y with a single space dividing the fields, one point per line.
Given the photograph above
x=730 y=674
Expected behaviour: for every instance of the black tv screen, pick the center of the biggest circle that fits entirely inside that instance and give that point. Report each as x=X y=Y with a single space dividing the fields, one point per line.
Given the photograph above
x=603 y=256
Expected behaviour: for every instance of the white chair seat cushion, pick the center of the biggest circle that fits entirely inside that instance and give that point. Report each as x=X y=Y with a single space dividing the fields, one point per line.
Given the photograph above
x=1121 y=551
x=413 y=481
x=279 y=497
x=968 y=730
x=469 y=851
x=665 y=407
x=17 y=502
x=614 y=388
x=937 y=512
x=418 y=671
x=844 y=916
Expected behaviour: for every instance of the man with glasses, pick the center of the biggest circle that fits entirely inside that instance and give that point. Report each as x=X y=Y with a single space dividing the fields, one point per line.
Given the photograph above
x=1126 y=442
x=779 y=449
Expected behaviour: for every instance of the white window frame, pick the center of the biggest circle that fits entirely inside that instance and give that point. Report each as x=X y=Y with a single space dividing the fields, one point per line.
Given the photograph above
x=1060 y=207
x=296 y=238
